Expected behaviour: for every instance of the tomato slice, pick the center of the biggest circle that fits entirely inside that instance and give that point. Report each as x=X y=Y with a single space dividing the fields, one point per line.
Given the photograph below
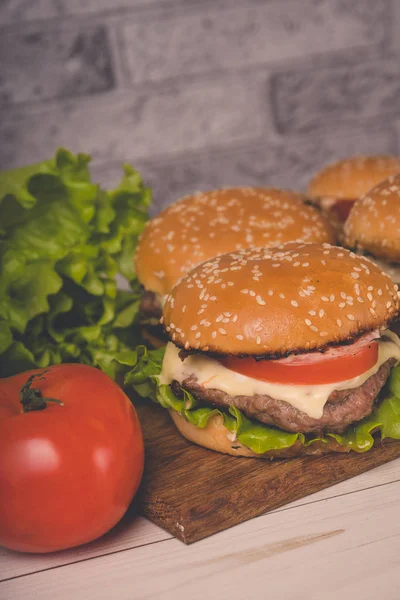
x=313 y=368
x=342 y=209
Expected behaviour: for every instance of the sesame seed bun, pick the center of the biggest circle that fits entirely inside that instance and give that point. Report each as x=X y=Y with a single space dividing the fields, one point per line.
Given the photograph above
x=353 y=177
x=204 y=225
x=216 y=437
x=273 y=302
x=337 y=186
x=374 y=222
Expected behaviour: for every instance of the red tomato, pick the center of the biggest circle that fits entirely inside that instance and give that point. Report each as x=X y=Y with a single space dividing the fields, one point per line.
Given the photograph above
x=337 y=364
x=69 y=471
x=342 y=208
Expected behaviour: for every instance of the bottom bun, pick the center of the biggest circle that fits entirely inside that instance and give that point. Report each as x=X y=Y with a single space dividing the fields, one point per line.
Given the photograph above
x=216 y=437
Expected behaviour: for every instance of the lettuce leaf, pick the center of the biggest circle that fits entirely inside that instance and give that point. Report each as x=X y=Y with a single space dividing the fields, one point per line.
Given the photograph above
x=63 y=240
x=260 y=438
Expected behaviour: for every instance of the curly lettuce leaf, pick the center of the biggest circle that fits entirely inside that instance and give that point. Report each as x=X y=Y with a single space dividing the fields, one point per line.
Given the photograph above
x=260 y=438
x=63 y=240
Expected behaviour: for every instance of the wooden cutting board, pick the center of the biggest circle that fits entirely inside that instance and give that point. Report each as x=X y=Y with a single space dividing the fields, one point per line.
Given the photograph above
x=193 y=492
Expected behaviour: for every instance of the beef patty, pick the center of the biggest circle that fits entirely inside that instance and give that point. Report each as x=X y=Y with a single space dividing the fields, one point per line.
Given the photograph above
x=150 y=305
x=341 y=409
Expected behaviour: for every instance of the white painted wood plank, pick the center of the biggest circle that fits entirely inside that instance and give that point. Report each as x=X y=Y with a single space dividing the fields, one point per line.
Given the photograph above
x=132 y=533
x=347 y=546
x=129 y=533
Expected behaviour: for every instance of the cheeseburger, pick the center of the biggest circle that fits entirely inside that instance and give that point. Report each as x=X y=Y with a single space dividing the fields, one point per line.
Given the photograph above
x=204 y=225
x=279 y=352
x=373 y=226
x=337 y=186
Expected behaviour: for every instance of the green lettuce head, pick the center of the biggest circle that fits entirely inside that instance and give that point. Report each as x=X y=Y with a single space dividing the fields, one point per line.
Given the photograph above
x=63 y=240
x=384 y=421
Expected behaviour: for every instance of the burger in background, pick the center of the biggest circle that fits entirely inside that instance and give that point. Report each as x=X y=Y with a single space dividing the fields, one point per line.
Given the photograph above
x=279 y=352
x=203 y=225
x=373 y=226
x=337 y=186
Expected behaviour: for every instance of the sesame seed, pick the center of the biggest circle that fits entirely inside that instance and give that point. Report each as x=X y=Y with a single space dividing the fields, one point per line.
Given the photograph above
x=219 y=318
x=193 y=328
x=321 y=313
x=355 y=275
x=222 y=331
x=369 y=296
x=245 y=291
x=312 y=313
x=239 y=337
x=324 y=298
x=323 y=333
x=214 y=334
x=342 y=304
x=350 y=317
x=258 y=340
x=198 y=334
x=294 y=303
x=339 y=322
x=314 y=328
x=308 y=322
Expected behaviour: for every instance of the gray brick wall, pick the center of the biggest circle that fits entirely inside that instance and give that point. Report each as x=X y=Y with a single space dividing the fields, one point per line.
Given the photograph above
x=200 y=93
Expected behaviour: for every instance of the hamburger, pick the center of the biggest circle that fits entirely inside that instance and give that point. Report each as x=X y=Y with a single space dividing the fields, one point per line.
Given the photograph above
x=338 y=185
x=204 y=225
x=279 y=352
x=373 y=226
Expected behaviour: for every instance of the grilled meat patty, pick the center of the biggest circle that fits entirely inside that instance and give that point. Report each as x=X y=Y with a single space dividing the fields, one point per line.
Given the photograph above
x=341 y=409
x=150 y=305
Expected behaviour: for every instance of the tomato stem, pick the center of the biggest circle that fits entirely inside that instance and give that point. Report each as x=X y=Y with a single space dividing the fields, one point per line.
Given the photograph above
x=31 y=398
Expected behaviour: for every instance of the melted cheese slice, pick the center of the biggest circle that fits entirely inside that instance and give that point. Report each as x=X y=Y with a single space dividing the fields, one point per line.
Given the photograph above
x=309 y=399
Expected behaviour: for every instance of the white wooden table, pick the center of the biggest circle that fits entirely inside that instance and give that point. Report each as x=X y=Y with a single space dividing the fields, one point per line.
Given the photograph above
x=342 y=543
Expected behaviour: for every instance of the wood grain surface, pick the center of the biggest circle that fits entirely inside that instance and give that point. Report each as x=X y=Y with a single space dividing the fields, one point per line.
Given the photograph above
x=193 y=492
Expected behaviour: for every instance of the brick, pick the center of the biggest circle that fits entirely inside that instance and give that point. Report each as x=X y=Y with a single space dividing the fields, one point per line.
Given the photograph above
x=15 y=11
x=305 y=99
x=178 y=118
x=286 y=165
x=395 y=26
x=45 y=65
x=174 y=44
x=332 y=14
